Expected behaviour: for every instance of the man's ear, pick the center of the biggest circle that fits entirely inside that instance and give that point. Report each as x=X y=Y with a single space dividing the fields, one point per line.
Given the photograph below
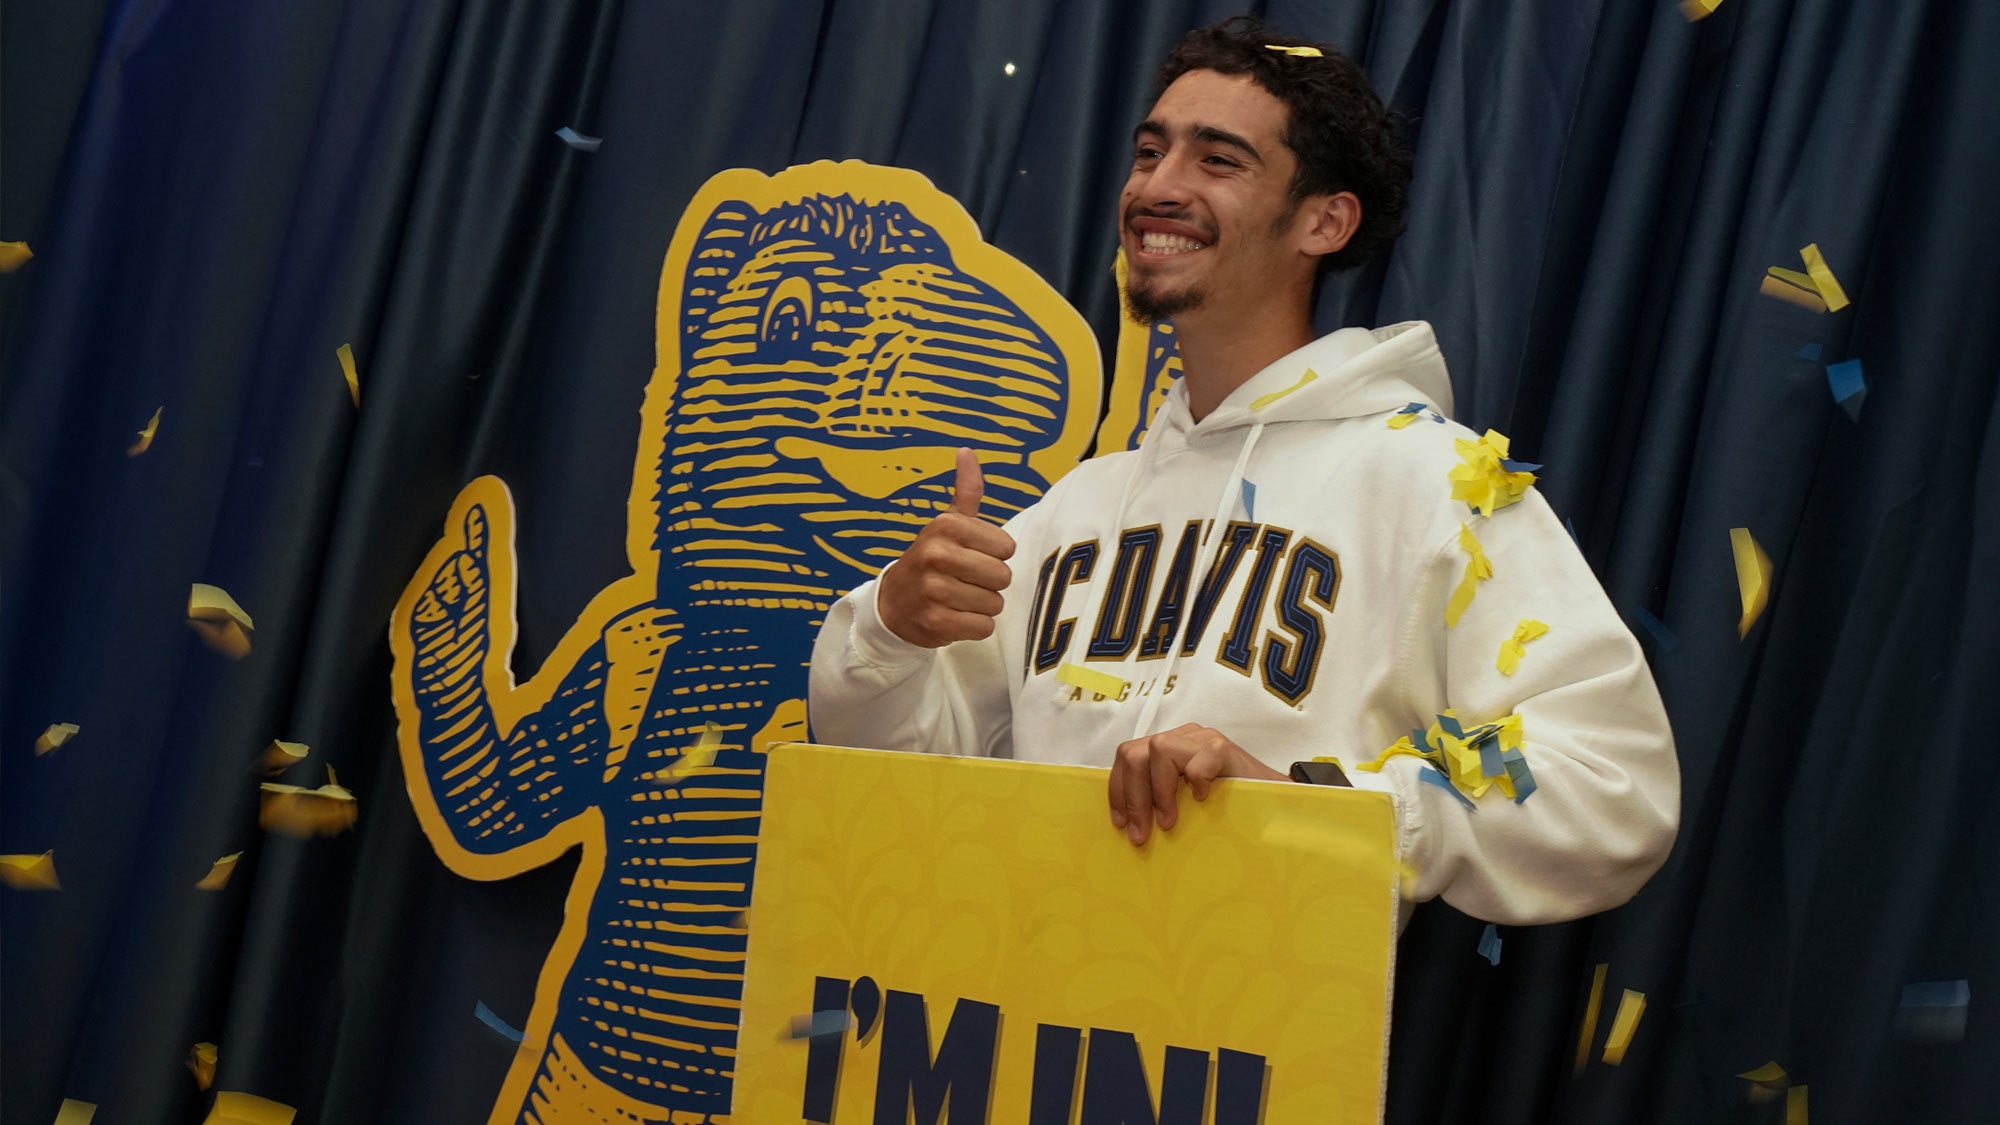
x=1329 y=222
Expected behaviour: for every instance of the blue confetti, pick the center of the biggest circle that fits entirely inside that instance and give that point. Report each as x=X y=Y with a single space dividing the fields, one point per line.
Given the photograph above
x=1489 y=758
x=1810 y=352
x=1933 y=1011
x=1413 y=408
x=1450 y=726
x=1572 y=533
x=1249 y=501
x=1431 y=775
x=577 y=140
x=486 y=1016
x=1524 y=781
x=1662 y=635
x=1518 y=466
x=1848 y=385
x=1489 y=944
x=1438 y=418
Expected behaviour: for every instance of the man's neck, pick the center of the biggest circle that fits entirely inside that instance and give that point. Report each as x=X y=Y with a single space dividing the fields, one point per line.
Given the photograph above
x=1221 y=351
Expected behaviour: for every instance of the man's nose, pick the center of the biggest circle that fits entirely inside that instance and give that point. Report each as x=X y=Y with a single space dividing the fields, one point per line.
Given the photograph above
x=1166 y=187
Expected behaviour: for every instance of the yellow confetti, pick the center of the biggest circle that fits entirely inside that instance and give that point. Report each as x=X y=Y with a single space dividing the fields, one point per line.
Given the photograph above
x=346 y=354
x=1795 y=1106
x=1693 y=10
x=1802 y=280
x=1398 y=421
x=1766 y=1082
x=1772 y=287
x=1484 y=480
x=218 y=873
x=297 y=811
x=30 y=872
x=1630 y=1007
x=201 y=1061
x=1090 y=680
x=145 y=441
x=1823 y=279
x=280 y=756
x=1478 y=568
x=74 y=1112
x=698 y=756
x=1262 y=401
x=55 y=737
x=1753 y=578
x=1515 y=647
x=1458 y=756
x=214 y=615
x=233 y=1108
x=1590 y=1010
x=14 y=255
x=1295 y=52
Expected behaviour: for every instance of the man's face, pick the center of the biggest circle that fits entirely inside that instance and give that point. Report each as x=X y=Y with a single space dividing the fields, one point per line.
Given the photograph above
x=1206 y=215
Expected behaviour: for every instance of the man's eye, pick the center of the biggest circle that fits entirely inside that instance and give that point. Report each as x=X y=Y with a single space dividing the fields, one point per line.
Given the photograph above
x=1220 y=161
x=1146 y=152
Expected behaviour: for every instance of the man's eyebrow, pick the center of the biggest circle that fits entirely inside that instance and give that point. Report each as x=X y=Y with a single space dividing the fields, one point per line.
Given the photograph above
x=1209 y=133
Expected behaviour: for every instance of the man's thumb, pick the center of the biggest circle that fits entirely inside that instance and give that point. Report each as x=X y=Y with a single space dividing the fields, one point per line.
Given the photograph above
x=968 y=486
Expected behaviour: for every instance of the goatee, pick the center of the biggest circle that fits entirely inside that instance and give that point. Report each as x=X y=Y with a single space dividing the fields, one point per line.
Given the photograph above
x=1149 y=307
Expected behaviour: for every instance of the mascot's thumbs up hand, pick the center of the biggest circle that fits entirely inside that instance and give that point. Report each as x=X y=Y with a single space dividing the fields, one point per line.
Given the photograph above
x=947 y=586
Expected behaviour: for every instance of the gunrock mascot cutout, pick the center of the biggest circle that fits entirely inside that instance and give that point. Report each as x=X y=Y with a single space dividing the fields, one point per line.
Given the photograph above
x=828 y=337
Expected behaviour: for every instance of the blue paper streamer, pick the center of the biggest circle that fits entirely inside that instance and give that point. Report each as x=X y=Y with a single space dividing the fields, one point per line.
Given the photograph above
x=1572 y=533
x=1450 y=725
x=1848 y=385
x=1489 y=944
x=832 y=1021
x=1249 y=501
x=1518 y=466
x=1413 y=408
x=577 y=140
x=1489 y=758
x=486 y=1016
x=1662 y=635
x=1431 y=775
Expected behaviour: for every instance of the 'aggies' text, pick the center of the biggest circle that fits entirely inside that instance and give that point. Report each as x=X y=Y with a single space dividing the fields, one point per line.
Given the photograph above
x=1292 y=585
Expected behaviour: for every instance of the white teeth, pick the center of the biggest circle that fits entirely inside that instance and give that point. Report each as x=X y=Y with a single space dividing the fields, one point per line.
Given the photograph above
x=1160 y=242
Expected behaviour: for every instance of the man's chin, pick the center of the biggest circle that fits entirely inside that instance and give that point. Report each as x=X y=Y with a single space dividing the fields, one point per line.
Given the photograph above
x=1149 y=306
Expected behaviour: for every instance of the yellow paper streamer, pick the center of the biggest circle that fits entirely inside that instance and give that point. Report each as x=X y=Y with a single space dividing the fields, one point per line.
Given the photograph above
x=233 y=1108
x=1515 y=647
x=14 y=255
x=346 y=354
x=1772 y=287
x=1482 y=481
x=218 y=875
x=1802 y=280
x=74 y=1112
x=1765 y=1082
x=1590 y=1010
x=1823 y=279
x=1630 y=1007
x=698 y=756
x=1694 y=10
x=1753 y=578
x=145 y=441
x=1262 y=401
x=1795 y=1106
x=1296 y=52
x=280 y=756
x=1478 y=568
x=1398 y=421
x=294 y=810
x=30 y=872
x=201 y=1061
x=1458 y=757
x=1090 y=679
x=219 y=620
x=55 y=737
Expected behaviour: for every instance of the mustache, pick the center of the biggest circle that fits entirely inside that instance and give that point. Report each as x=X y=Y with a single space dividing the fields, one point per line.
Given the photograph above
x=1170 y=214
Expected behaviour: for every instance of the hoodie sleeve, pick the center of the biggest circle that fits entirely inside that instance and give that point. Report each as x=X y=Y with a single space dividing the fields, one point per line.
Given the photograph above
x=1607 y=800
x=870 y=688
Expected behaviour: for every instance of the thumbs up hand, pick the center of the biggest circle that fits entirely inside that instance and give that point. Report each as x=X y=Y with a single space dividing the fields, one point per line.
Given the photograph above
x=947 y=586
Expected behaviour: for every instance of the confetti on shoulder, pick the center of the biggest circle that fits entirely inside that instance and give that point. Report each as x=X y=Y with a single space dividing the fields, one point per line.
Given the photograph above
x=1478 y=568
x=1515 y=647
x=1262 y=401
x=1406 y=415
x=1487 y=479
x=55 y=738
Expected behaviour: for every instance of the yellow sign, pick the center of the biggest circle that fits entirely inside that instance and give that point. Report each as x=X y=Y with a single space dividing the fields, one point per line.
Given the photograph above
x=957 y=941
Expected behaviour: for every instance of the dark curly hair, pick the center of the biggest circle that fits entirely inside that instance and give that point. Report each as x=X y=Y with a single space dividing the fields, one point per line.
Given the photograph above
x=1336 y=126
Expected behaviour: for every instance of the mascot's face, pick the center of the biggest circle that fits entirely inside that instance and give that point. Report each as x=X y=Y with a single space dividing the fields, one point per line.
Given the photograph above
x=827 y=356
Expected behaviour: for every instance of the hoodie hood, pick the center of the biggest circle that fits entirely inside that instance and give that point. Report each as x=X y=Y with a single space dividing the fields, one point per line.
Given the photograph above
x=1356 y=372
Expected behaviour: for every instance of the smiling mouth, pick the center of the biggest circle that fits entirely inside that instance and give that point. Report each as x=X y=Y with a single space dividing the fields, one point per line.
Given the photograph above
x=1160 y=242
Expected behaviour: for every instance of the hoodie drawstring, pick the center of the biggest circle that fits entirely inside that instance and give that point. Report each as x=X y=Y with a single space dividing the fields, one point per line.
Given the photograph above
x=1211 y=547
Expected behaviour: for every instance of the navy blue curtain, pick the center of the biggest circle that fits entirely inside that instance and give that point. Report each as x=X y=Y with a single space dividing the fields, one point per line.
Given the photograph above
x=220 y=194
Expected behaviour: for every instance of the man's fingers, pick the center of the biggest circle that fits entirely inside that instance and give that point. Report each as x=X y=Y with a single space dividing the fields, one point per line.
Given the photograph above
x=1116 y=790
x=1131 y=790
x=973 y=534
x=975 y=568
x=968 y=486
x=1202 y=770
x=1166 y=778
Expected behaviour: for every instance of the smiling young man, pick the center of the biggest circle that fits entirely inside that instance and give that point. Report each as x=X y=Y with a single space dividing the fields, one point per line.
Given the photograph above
x=1348 y=596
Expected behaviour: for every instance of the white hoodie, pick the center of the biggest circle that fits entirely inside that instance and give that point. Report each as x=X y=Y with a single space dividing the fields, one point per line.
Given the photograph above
x=1329 y=638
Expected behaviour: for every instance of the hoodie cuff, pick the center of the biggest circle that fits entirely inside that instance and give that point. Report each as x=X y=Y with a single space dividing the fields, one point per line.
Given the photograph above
x=870 y=640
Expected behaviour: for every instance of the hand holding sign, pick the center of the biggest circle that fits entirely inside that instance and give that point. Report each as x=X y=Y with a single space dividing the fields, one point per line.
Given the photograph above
x=947 y=586
x=1146 y=775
